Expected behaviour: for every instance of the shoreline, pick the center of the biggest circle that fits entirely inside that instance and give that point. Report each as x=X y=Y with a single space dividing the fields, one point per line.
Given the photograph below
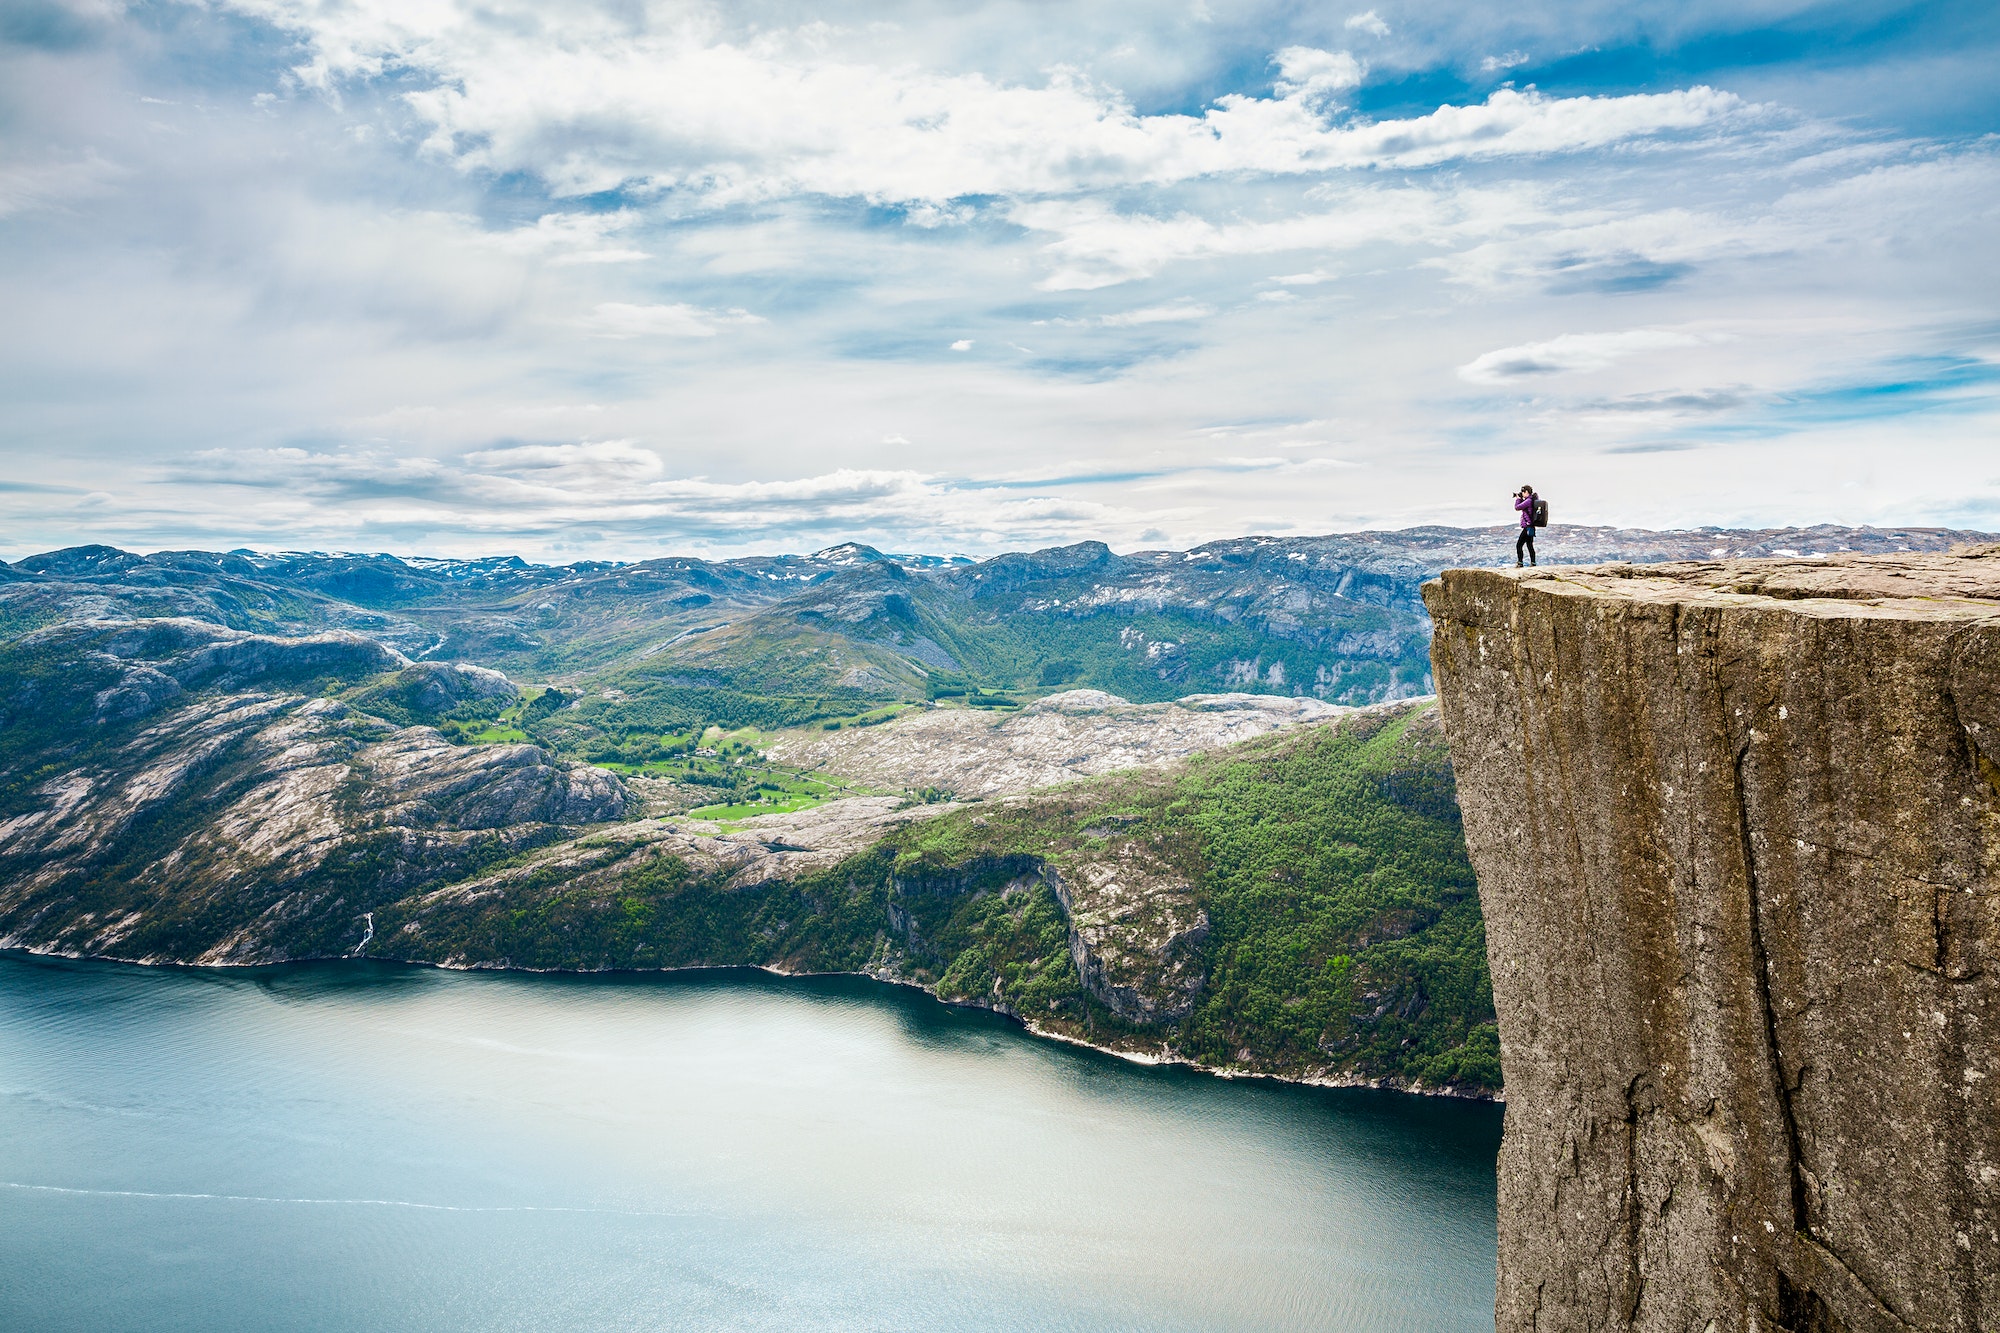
x=1139 y=1057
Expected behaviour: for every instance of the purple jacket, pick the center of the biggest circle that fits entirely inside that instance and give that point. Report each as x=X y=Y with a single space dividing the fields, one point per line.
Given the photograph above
x=1526 y=505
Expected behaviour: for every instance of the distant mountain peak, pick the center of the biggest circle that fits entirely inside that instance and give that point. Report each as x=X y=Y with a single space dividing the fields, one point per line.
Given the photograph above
x=849 y=553
x=79 y=560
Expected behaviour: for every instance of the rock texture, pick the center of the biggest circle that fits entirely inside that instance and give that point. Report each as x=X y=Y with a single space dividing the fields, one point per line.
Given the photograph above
x=1136 y=927
x=1737 y=831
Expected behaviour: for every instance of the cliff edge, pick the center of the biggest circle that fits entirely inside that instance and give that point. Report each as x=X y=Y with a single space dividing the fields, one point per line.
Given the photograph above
x=1737 y=832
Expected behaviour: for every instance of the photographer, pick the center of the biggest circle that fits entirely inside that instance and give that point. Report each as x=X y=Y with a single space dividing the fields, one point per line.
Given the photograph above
x=1524 y=505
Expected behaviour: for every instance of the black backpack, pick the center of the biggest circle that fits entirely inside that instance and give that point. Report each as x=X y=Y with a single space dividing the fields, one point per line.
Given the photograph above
x=1541 y=513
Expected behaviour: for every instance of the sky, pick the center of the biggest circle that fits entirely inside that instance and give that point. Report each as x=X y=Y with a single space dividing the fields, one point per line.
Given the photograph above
x=615 y=279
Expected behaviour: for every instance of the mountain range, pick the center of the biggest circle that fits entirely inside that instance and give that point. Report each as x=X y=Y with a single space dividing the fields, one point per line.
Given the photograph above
x=781 y=639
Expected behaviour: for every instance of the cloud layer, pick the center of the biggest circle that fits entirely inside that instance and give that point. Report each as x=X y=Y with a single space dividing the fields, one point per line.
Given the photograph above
x=672 y=105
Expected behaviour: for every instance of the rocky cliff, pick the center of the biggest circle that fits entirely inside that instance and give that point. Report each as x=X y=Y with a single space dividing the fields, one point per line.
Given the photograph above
x=1737 y=832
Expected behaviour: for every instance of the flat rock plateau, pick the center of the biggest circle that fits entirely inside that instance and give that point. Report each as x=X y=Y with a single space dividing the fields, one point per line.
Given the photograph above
x=1057 y=738
x=1736 y=826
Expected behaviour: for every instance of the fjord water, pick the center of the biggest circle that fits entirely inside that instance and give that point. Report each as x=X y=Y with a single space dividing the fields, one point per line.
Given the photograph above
x=363 y=1146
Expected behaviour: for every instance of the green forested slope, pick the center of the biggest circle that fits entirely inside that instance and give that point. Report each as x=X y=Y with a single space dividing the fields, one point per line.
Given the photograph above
x=1345 y=930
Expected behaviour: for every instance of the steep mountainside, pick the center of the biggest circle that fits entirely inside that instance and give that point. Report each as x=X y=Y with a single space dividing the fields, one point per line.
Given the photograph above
x=1299 y=906
x=1737 y=826
x=171 y=789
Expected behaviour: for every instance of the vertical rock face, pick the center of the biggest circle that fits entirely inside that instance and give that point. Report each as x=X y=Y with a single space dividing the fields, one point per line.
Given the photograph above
x=1737 y=832
x=1136 y=928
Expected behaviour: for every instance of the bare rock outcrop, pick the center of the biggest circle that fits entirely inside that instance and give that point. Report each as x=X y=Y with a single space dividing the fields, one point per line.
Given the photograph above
x=1135 y=922
x=425 y=691
x=1737 y=832
x=1057 y=738
x=133 y=668
x=1136 y=928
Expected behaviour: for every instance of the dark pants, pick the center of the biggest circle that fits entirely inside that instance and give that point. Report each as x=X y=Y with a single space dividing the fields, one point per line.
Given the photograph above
x=1526 y=541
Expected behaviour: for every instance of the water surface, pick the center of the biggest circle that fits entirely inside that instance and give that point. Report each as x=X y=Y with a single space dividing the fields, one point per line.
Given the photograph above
x=366 y=1146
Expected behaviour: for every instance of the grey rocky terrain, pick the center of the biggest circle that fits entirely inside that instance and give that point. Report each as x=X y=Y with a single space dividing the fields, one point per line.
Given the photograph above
x=1056 y=738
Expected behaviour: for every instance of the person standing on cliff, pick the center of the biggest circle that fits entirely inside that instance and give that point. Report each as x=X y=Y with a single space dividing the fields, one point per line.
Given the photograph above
x=1524 y=505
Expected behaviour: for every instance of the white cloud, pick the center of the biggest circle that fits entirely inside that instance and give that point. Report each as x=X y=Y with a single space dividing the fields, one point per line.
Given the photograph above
x=1369 y=22
x=962 y=345
x=1570 y=353
x=1587 y=242
x=1516 y=123
x=485 y=363
x=1157 y=314
x=26 y=185
x=673 y=107
x=930 y=215
x=620 y=489
x=1946 y=197
x=1311 y=74
x=570 y=238
x=1511 y=60
x=619 y=319
x=588 y=463
x=1096 y=247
